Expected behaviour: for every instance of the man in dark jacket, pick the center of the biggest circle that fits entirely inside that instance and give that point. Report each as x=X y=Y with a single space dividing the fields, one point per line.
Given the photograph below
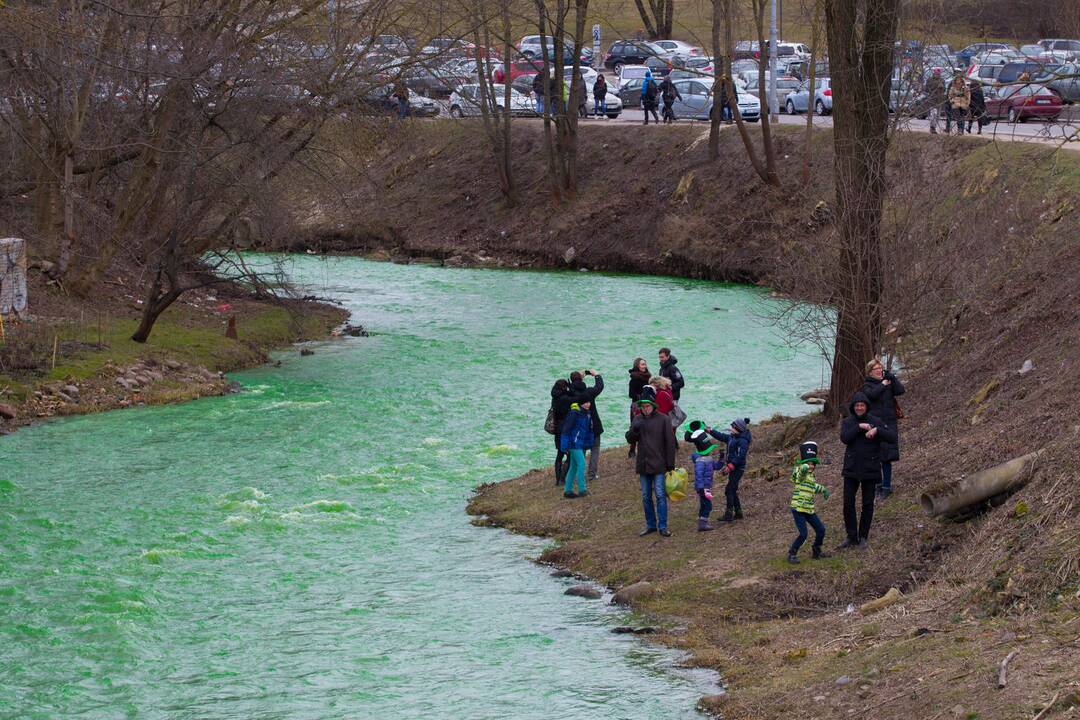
x=582 y=394
x=863 y=435
x=978 y=106
x=538 y=91
x=656 y=446
x=669 y=94
x=881 y=388
x=561 y=399
x=672 y=373
x=935 y=98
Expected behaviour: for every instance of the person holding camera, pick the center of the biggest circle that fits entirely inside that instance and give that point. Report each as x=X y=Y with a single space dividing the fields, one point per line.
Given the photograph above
x=863 y=435
x=881 y=388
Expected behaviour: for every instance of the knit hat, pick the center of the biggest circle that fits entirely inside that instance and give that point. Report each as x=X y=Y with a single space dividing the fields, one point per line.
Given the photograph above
x=741 y=424
x=808 y=452
x=703 y=442
x=648 y=395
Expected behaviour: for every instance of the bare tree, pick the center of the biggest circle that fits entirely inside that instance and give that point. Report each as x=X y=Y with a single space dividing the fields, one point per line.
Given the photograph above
x=658 y=17
x=860 y=34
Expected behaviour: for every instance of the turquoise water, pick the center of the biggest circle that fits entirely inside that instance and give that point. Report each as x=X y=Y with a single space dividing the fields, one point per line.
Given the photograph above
x=300 y=550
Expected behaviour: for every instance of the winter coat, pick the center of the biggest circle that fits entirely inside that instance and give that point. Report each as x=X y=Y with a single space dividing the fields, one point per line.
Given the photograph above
x=723 y=91
x=665 y=402
x=599 y=88
x=738 y=447
x=935 y=90
x=577 y=432
x=959 y=97
x=669 y=91
x=862 y=457
x=638 y=380
x=978 y=100
x=656 y=443
x=882 y=406
x=806 y=487
x=704 y=467
x=538 y=84
x=560 y=403
x=669 y=370
x=583 y=392
x=648 y=92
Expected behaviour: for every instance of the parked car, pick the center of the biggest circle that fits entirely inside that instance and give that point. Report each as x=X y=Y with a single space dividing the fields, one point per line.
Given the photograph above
x=430 y=82
x=985 y=74
x=937 y=55
x=964 y=57
x=1036 y=72
x=449 y=46
x=465 y=102
x=997 y=57
x=523 y=66
x=381 y=101
x=701 y=65
x=1020 y=102
x=680 y=49
x=1061 y=50
x=587 y=73
x=785 y=85
x=799 y=100
x=906 y=98
x=632 y=52
x=1036 y=53
x=697 y=101
x=659 y=66
x=1066 y=82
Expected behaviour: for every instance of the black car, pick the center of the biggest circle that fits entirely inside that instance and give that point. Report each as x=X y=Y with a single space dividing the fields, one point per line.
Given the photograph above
x=629 y=52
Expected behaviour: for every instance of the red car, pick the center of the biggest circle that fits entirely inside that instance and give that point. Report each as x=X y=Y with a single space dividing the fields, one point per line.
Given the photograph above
x=1022 y=101
x=524 y=66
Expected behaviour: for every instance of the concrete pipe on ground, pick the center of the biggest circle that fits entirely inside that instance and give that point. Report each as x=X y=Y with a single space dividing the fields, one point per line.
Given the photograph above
x=980 y=486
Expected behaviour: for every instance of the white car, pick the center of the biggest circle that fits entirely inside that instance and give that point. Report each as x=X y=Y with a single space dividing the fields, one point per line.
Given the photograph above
x=587 y=73
x=1061 y=50
x=632 y=72
x=465 y=102
x=680 y=49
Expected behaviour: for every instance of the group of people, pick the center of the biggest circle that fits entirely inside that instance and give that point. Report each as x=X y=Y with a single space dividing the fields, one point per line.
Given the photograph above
x=869 y=434
x=962 y=103
x=652 y=93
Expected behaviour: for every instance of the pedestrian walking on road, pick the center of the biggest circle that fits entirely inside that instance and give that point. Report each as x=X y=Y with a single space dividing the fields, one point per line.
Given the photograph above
x=978 y=107
x=727 y=87
x=582 y=394
x=599 y=93
x=639 y=378
x=669 y=93
x=538 y=85
x=802 y=502
x=561 y=399
x=651 y=431
x=935 y=98
x=882 y=388
x=959 y=98
x=738 y=439
x=863 y=435
x=648 y=97
x=401 y=94
x=576 y=437
x=668 y=369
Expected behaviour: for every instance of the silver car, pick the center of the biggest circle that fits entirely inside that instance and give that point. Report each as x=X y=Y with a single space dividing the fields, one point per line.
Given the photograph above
x=799 y=101
x=697 y=102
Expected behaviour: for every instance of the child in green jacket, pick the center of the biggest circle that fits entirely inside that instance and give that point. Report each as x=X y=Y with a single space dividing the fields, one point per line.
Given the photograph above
x=802 y=502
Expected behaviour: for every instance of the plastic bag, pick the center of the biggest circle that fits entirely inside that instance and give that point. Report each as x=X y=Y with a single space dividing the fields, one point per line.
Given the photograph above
x=675 y=483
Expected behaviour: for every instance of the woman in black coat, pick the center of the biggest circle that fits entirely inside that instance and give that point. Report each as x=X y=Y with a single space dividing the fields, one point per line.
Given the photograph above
x=863 y=434
x=561 y=397
x=639 y=378
x=881 y=388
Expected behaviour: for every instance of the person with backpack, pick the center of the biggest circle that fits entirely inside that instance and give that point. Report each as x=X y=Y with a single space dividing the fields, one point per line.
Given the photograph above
x=599 y=93
x=585 y=394
x=576 y=437
x=648 y=97
x=669 y=93
x=561 y=398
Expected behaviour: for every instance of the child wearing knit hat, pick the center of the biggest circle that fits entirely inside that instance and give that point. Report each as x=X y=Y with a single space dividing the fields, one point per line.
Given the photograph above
x=802 y=502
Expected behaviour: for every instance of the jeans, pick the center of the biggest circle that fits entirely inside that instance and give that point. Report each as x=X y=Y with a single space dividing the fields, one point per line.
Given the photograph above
x=932 y=116
x=886 y=476
x=704 y=505
x=651 y=109
x=801 y=519
x=599 y=106
x=402 y=107
x=540 y=105
x=858 y=528
x=594 y=458
x=560 y=467
x=576 y=472
x=654 y=485
x=726 y=112
x=731 y=491
x=957 y=115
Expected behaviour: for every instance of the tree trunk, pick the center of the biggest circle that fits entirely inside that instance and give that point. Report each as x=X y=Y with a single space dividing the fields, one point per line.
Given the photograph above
x=650 y=28
x=861 y=68
x=771 y=177
x=815 y=42
x=719 y=63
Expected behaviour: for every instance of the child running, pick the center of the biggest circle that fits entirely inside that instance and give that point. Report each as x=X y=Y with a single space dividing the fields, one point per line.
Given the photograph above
x=802 y=502
x=575 y=439
x=738 y=447
x=704 y=466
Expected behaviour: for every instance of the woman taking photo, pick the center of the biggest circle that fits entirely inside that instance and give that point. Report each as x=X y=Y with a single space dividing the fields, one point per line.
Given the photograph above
x=882 y=388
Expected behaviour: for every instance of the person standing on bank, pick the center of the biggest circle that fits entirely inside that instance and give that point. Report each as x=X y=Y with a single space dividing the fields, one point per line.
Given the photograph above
x=882 y=388
x=582 y=394
x=863 y=434
x=639 y=378
x=651 y=431
x=576 y=437
x=561 y=398
x=668 y=369
x=738 y=441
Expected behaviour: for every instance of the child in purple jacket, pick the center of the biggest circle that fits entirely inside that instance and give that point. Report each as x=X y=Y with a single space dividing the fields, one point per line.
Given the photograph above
x=704 y=465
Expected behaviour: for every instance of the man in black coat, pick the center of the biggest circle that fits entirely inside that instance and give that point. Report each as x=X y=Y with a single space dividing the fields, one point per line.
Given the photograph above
x=561 y=398
x=882 y=388
x=863 y=434
x=583 y=393
x=669 y=370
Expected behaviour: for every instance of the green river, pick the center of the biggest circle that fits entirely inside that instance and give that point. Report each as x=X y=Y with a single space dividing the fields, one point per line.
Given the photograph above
x=301 y=550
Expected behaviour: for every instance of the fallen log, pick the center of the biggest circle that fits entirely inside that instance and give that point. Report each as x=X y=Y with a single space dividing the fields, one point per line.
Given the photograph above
x=980 y=486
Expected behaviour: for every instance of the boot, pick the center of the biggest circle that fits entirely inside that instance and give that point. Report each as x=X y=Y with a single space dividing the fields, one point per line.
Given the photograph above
x=793 y=558
x=738 y=513
x=703 y=525
x=820 y=554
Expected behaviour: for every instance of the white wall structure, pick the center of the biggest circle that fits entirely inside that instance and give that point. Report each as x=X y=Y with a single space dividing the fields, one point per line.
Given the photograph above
x=12 y=276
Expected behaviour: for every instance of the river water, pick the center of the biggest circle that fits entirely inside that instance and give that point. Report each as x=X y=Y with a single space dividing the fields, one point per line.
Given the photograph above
x=300 y=550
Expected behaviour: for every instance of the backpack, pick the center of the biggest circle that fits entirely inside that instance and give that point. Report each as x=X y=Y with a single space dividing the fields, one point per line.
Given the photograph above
x=649 y=91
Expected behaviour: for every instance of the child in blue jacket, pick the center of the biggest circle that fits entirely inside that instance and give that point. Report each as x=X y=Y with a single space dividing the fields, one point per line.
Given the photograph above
x=738 y=440
x=704 y=465
x=575 y=439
